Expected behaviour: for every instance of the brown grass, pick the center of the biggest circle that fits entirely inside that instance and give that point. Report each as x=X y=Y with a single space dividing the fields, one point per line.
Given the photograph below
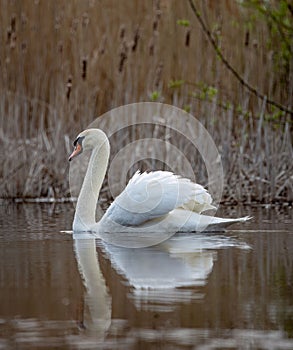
x=63 y=63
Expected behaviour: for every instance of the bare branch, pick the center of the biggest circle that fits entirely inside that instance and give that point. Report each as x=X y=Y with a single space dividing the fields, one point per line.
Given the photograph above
x=252 y=89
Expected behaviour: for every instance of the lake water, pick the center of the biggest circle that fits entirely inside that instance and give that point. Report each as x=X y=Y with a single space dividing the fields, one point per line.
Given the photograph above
x=213 y=291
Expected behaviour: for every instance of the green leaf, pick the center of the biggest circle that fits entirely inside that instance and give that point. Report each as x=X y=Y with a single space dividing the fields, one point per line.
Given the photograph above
x=155 y=95
x=175 y=84
x=187 y=108
x=183 y=22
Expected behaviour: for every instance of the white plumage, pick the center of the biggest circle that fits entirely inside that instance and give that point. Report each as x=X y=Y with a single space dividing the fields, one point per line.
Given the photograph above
x=155 y=201
x=152 y=195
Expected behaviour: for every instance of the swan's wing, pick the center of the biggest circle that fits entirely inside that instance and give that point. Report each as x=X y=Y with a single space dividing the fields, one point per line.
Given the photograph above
x=201 y=201
x=148 y=196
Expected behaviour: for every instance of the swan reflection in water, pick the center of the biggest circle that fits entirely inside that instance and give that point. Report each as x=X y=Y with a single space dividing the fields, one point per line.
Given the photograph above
x=155 y=274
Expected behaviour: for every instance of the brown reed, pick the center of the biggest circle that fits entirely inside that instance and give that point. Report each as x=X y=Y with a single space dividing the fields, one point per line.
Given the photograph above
x=63 y=63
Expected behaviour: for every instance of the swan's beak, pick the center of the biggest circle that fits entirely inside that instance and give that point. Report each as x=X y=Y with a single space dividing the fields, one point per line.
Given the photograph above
x=77 y=150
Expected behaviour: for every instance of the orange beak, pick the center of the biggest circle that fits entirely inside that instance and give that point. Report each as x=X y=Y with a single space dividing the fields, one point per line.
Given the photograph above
x=77 y=150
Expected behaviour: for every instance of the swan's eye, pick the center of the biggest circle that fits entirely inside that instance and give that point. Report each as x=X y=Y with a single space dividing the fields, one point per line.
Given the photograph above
x=77 y=147
x=78 y=141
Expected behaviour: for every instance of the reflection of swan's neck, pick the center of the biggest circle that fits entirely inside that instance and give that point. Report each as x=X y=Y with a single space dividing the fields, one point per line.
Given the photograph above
x=97 y=313
x=87 y=200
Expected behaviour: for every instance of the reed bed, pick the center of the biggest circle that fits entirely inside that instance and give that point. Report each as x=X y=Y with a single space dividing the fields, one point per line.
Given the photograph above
x=63 y=63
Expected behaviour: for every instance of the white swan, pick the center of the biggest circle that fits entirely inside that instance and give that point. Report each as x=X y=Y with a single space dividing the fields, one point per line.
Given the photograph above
x=156 y=201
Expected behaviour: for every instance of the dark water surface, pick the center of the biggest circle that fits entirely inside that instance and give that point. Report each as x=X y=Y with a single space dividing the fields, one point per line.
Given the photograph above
x=215 y=291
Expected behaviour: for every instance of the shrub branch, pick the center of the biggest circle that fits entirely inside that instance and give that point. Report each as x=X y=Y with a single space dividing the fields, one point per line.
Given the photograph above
x=228 y=65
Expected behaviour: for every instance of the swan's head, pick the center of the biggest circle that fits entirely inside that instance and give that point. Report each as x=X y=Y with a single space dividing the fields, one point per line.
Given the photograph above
x=87 y=140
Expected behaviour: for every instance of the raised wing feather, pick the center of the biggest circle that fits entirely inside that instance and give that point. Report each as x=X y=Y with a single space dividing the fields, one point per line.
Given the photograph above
x=201 y=201
x=150 y=195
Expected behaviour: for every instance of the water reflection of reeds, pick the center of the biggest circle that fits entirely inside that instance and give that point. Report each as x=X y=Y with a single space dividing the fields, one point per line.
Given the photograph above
x=243 y=296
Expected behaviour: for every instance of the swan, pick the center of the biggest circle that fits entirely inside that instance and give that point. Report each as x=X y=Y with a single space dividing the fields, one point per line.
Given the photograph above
x=152 y=201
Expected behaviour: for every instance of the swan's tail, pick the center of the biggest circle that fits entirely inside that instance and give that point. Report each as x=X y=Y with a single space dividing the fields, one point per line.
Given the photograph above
x=220 y=224
x=193 y=222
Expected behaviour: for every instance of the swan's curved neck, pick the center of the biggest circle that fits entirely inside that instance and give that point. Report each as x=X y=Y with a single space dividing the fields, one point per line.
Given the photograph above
x=85 y=212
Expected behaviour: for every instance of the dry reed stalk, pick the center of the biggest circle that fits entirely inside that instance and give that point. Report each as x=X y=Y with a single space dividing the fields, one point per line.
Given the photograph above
x=64 y=63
